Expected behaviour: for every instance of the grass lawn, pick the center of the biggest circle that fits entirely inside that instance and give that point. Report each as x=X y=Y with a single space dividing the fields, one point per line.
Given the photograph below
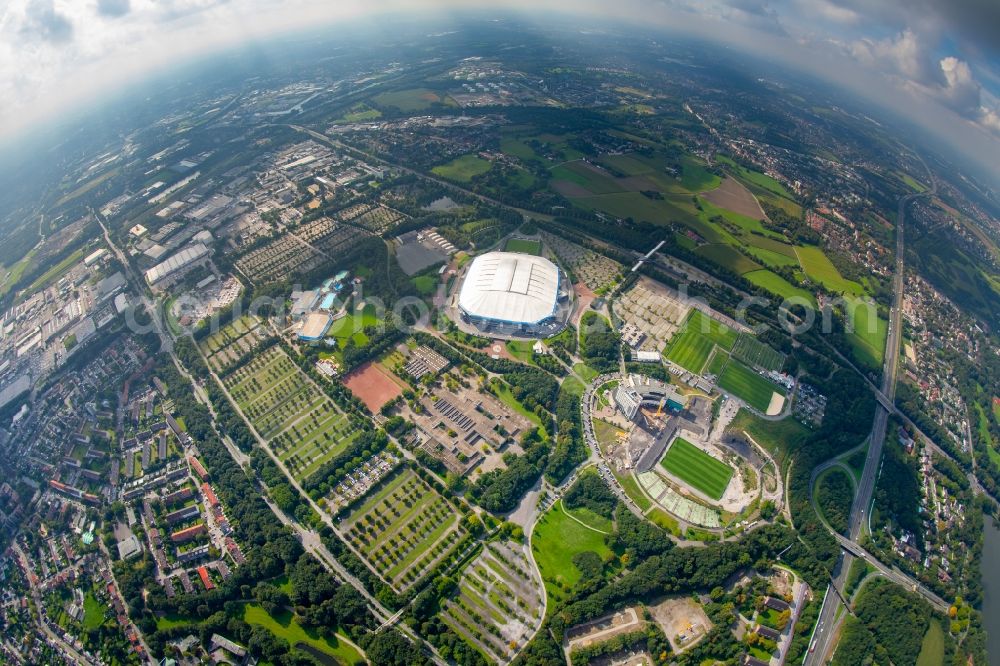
x=779 y=286
x=54 y=273
x=911 y=182
x=426 y=284
x=524 y=246
x=556 y=539
x=663 y=519
x=93 y=612
x=520 y=349
x=728 y=257
x=777 y=437
x=932 y=649
x=507 y=398
x=573 y=386
x=744 y=383
x=585 y=371
x=284 y=625
x=464 y=168
x=868 y=337
x=632 y=489
x=696 y=468
x=517 y=148
x=820 y=269
x=353 y=325
x=171 y=620
x=591 y=519
x=606 y=433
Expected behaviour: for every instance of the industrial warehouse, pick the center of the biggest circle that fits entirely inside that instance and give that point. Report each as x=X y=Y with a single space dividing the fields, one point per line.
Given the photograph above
x=513 y=294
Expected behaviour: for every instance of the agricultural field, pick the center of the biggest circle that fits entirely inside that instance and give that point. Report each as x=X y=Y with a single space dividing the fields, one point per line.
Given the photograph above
x=779 y=286
x=755 y=353
x=698 y=469
x=728 y=257
x=747 y=385
x=756 y=178
x=417 y=99
x=523 y=245
x=404 y=528
x=587 y=178
x=820 y=269
x=302 y=425
x=497 y=607
x=556 y=539
x=463 y=169
x=360 y=113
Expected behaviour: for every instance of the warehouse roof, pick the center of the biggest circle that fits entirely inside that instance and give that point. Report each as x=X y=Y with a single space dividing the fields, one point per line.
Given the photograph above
x=510 y=287
x=185 y=257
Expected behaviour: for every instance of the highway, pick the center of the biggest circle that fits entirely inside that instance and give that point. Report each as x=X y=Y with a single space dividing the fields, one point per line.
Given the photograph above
x=826 y=631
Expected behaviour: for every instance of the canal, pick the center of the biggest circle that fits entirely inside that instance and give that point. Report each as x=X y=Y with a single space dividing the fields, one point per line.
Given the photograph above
x=991 y=589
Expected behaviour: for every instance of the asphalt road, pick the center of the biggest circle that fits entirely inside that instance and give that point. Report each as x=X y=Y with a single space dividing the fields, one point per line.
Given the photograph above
x=826 y=627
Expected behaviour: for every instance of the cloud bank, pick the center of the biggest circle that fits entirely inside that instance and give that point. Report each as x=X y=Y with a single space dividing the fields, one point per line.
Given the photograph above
x=936 y=61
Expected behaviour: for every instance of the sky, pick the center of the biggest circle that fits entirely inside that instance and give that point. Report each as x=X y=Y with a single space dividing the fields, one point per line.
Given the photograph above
x=937 y=62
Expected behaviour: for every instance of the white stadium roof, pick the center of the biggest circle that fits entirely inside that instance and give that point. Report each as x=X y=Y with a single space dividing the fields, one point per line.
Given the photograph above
x=510 y=287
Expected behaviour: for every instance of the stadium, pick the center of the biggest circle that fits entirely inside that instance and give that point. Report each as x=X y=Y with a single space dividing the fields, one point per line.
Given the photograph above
x=513 y=294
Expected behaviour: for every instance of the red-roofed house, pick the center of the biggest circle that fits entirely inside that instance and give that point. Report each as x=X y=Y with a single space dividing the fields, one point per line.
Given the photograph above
x=188 y=533
x=205 y=580
x=198 y=468
x=210 y=497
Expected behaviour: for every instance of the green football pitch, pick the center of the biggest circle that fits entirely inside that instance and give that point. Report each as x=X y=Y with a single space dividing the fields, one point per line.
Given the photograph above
x=696 y=468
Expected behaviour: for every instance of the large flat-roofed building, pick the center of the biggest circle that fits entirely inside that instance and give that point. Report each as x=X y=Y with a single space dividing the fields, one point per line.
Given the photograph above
x=166 y=272
x=314 y=326
x=638 y=390
x=511 y=292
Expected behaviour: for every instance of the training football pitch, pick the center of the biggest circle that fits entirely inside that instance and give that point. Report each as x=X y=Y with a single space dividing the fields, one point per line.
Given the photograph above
x=696 y=468
x=744 y=383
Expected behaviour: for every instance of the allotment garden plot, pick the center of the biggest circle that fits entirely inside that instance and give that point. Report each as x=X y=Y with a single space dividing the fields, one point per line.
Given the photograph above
x=403 y=528
x=594 y=270
x=497 y=607
x=653 y=309
x=302 y=425
x=232 y=342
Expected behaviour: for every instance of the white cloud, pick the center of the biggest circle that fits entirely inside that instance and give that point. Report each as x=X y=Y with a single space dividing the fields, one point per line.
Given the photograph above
x=903 y=55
